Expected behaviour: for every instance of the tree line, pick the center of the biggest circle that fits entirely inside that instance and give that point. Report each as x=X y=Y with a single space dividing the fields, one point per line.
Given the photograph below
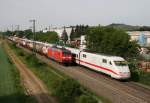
x=100 y=39
x=77 y=31
x=111 y=41
x=51 y=37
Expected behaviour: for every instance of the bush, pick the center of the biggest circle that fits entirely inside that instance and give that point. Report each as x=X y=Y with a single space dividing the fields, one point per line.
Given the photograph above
x=70 y=91
x=135 y=73
x=86 y=99
x=144 y=78
x=34 y=62
x=135 y=76
x=67 y=91
x=21 y=53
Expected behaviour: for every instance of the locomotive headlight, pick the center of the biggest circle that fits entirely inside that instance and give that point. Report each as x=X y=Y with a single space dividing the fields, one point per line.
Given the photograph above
x=64 y=57
x=124 y=73
x=120 y=73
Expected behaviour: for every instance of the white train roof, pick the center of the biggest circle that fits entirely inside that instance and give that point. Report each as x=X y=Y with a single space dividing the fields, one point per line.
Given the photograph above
x=75 y=50
x=115 y=58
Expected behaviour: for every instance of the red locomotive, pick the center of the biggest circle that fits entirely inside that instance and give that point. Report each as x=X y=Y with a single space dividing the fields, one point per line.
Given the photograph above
x=60 y=55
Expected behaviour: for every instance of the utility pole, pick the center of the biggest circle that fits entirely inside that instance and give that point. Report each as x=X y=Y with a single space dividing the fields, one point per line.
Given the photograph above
x=18 y=27
x=49 y=28
x=34 y=35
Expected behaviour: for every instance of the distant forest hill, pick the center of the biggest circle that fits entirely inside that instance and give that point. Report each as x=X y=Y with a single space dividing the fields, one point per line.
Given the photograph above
x=130 y=27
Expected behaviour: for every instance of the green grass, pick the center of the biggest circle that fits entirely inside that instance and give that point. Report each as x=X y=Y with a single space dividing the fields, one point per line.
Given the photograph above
x=46 y=73
x=6 y=80
x=11 y=90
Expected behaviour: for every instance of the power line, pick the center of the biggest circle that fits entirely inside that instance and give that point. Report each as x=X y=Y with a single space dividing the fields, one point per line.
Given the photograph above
x=17 y=27
x=34 y=35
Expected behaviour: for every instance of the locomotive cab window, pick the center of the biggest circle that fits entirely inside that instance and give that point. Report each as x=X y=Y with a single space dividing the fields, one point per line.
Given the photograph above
x=77 y=55
x=66 y=53
x=84 y=55
x=120 y=63
x=104 y=61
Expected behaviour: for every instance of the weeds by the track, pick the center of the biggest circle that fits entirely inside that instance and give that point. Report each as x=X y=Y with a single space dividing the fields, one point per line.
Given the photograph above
x=11 y=90
x=144 y=78
x=140 y=76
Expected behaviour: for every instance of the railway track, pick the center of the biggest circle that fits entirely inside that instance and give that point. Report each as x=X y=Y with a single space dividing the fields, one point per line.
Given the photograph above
x=116 y=91
x=128 y=87
x=34 y=86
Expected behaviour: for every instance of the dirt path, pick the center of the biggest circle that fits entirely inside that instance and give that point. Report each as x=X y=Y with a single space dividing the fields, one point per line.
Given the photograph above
x=32 y=84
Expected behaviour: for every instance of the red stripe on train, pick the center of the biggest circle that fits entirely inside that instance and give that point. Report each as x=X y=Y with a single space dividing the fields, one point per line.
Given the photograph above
x=98 y=66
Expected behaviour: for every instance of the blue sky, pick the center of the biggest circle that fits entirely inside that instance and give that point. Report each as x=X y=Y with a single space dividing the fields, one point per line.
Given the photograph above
x=72 y=12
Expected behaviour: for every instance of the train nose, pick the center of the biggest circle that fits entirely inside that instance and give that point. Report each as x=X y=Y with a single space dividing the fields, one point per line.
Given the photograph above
x=68 y=58
x=125 y=74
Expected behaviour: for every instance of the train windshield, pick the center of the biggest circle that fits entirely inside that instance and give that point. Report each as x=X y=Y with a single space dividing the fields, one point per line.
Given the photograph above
x=66 y=53
x=121 y=63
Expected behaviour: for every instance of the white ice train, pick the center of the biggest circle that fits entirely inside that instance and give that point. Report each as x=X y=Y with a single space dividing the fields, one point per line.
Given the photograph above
x=114 y=66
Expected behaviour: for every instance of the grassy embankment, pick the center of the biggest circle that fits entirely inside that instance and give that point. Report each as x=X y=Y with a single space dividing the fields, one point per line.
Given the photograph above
x=141 y=77
x=144 y=78
x=52 y=78
x=11 y=90
x=138 y=75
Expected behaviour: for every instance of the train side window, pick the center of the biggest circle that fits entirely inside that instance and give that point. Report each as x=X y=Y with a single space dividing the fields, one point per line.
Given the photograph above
x=104 y=61
x=84 y=55
x=77 y=55
x=110 y=63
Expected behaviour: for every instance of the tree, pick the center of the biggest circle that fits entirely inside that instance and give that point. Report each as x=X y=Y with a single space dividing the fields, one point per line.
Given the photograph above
x=19 y=33
x=51 y=37
x=78 y=31
x=94 y=37
x=28 y=33
x=144 y=28
x=111 y=41
x=8 y=33
x=64 y=36
x=72 y=34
